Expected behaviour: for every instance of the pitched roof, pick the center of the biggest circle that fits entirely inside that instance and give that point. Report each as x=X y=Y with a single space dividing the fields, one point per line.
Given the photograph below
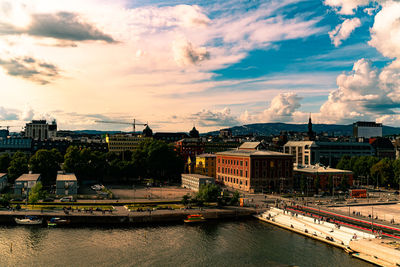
x=66 y=177
x=29 y=177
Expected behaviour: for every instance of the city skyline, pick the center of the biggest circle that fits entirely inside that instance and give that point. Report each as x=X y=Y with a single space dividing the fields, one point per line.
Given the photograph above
x=176 y=64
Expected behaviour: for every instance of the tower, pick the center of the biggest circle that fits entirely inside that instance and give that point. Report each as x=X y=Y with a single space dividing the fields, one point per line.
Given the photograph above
x=310 y=133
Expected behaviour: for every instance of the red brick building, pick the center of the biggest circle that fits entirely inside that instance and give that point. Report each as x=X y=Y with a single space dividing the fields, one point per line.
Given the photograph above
x=252 y=170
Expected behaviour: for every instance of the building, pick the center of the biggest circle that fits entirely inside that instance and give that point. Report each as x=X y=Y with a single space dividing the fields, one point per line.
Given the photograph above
x=310 y=132
x=383 y=147
x=189 y=147
x=318 y=175
x=219 y=146
x=225 y=133
x=41 y=130
x=206 y=165
x=66 y=184
x=24 y=184
x=195 y=181
x=367 y=129
x=255 y=170
x=4 y=133
x=13 y=144
x=3 y=181
x=325 y=153
x=170 y=137
x=119 y=143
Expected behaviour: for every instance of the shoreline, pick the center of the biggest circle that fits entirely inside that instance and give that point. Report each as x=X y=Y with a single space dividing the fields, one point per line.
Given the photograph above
x=130 y=218
x=353 y=247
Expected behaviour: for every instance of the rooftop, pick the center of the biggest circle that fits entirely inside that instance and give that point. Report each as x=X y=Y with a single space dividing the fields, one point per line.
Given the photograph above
x=250 y=145
x=197 y=175
x=205 y=155
x=252 y=153
x=66 y=177
x=28 y=177
x=319 y=169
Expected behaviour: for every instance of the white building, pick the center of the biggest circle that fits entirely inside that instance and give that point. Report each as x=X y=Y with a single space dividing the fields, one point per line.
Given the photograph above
x=41 y=130
x=367 y=129
x=326 y=153
x=195 y=181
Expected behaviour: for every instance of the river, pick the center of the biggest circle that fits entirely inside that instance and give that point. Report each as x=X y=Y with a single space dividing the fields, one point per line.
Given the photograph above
x=234 y=243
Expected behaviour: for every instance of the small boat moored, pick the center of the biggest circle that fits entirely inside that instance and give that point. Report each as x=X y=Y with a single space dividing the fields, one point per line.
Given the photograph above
x=194 y=218
x=57 y=221
x=29 y=220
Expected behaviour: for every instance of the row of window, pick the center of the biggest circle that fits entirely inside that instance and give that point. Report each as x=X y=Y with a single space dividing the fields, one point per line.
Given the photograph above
x=232 y=162
x=232 y=171
x=231 y=180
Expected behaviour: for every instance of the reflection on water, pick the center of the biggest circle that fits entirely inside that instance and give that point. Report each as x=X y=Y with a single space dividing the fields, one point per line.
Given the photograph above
x=238 y=243
x=34 y=236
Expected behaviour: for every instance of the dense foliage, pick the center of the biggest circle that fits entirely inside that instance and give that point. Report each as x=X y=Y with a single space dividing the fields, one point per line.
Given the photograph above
x=47 y=163
x=18 y=166
x=371 y=170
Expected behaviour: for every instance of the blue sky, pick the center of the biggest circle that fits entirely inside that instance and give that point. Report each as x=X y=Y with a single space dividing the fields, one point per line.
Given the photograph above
x=209 y=63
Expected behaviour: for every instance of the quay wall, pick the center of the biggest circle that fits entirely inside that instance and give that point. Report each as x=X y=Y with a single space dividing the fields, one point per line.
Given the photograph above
x=131 y=217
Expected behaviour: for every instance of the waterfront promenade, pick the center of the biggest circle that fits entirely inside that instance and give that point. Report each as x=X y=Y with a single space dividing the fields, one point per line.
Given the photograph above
x=364 y=245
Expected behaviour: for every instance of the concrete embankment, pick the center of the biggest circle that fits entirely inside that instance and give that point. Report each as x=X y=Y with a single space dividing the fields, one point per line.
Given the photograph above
x=119 y=217
x=349 y=239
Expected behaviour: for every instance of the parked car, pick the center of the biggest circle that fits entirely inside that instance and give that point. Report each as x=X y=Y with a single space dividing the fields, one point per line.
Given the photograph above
x=49 y=199
x=97 y=187
x=67 y=199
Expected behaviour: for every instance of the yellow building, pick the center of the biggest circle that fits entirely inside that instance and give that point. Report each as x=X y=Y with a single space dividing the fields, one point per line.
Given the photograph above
x=206 y=165
x=119 y=143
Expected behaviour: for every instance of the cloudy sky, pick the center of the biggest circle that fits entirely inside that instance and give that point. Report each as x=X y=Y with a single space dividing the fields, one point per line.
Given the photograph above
x=213 y=64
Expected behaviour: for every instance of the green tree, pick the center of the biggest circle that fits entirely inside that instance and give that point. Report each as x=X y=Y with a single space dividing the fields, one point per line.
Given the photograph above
x=5 y=160
x=18 y=166
x=36 y=193
x=235 y=198
x=382 y=172
x=185 y=199
x=208 y=193
x=47 y=163
x=344 y=163
x=362 y=166
x=396 y=172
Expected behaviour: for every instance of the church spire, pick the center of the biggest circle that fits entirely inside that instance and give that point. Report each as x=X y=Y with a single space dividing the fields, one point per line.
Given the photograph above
x=310 y=133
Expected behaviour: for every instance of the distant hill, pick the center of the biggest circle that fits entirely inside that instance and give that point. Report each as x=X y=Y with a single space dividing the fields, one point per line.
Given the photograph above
x=266 y=129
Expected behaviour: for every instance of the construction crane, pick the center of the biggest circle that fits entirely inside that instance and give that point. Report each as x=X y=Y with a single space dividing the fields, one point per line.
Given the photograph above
x=123 y=122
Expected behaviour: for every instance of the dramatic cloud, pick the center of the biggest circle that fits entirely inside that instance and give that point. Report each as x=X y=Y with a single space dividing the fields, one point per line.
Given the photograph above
x=30 y=69
x=343 y=31
x=62 y=25
x=207 y=118
x=8 y=114
x=282 y=107
x=385 y=34
x=366 y=92
x=346 y=7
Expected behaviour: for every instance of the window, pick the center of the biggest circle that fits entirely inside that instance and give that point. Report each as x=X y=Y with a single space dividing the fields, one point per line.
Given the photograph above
x=246 y=163
x=241 y=173
x=241 y=163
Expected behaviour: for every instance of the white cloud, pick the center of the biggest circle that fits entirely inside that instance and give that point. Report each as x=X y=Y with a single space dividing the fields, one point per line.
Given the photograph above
x=346 y=7
x=219 y=118
x=385 y=33
x=343 y=31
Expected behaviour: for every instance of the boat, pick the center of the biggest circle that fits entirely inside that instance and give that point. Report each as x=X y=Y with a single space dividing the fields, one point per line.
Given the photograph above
x=57 y=221
x=29 y=220
x=194 y=218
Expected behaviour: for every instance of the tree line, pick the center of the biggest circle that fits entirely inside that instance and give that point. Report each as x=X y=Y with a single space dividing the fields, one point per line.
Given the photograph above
x=372 y=170
x=153 y=159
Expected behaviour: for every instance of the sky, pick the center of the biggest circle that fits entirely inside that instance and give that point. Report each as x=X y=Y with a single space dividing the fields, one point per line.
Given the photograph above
x=209 y=64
